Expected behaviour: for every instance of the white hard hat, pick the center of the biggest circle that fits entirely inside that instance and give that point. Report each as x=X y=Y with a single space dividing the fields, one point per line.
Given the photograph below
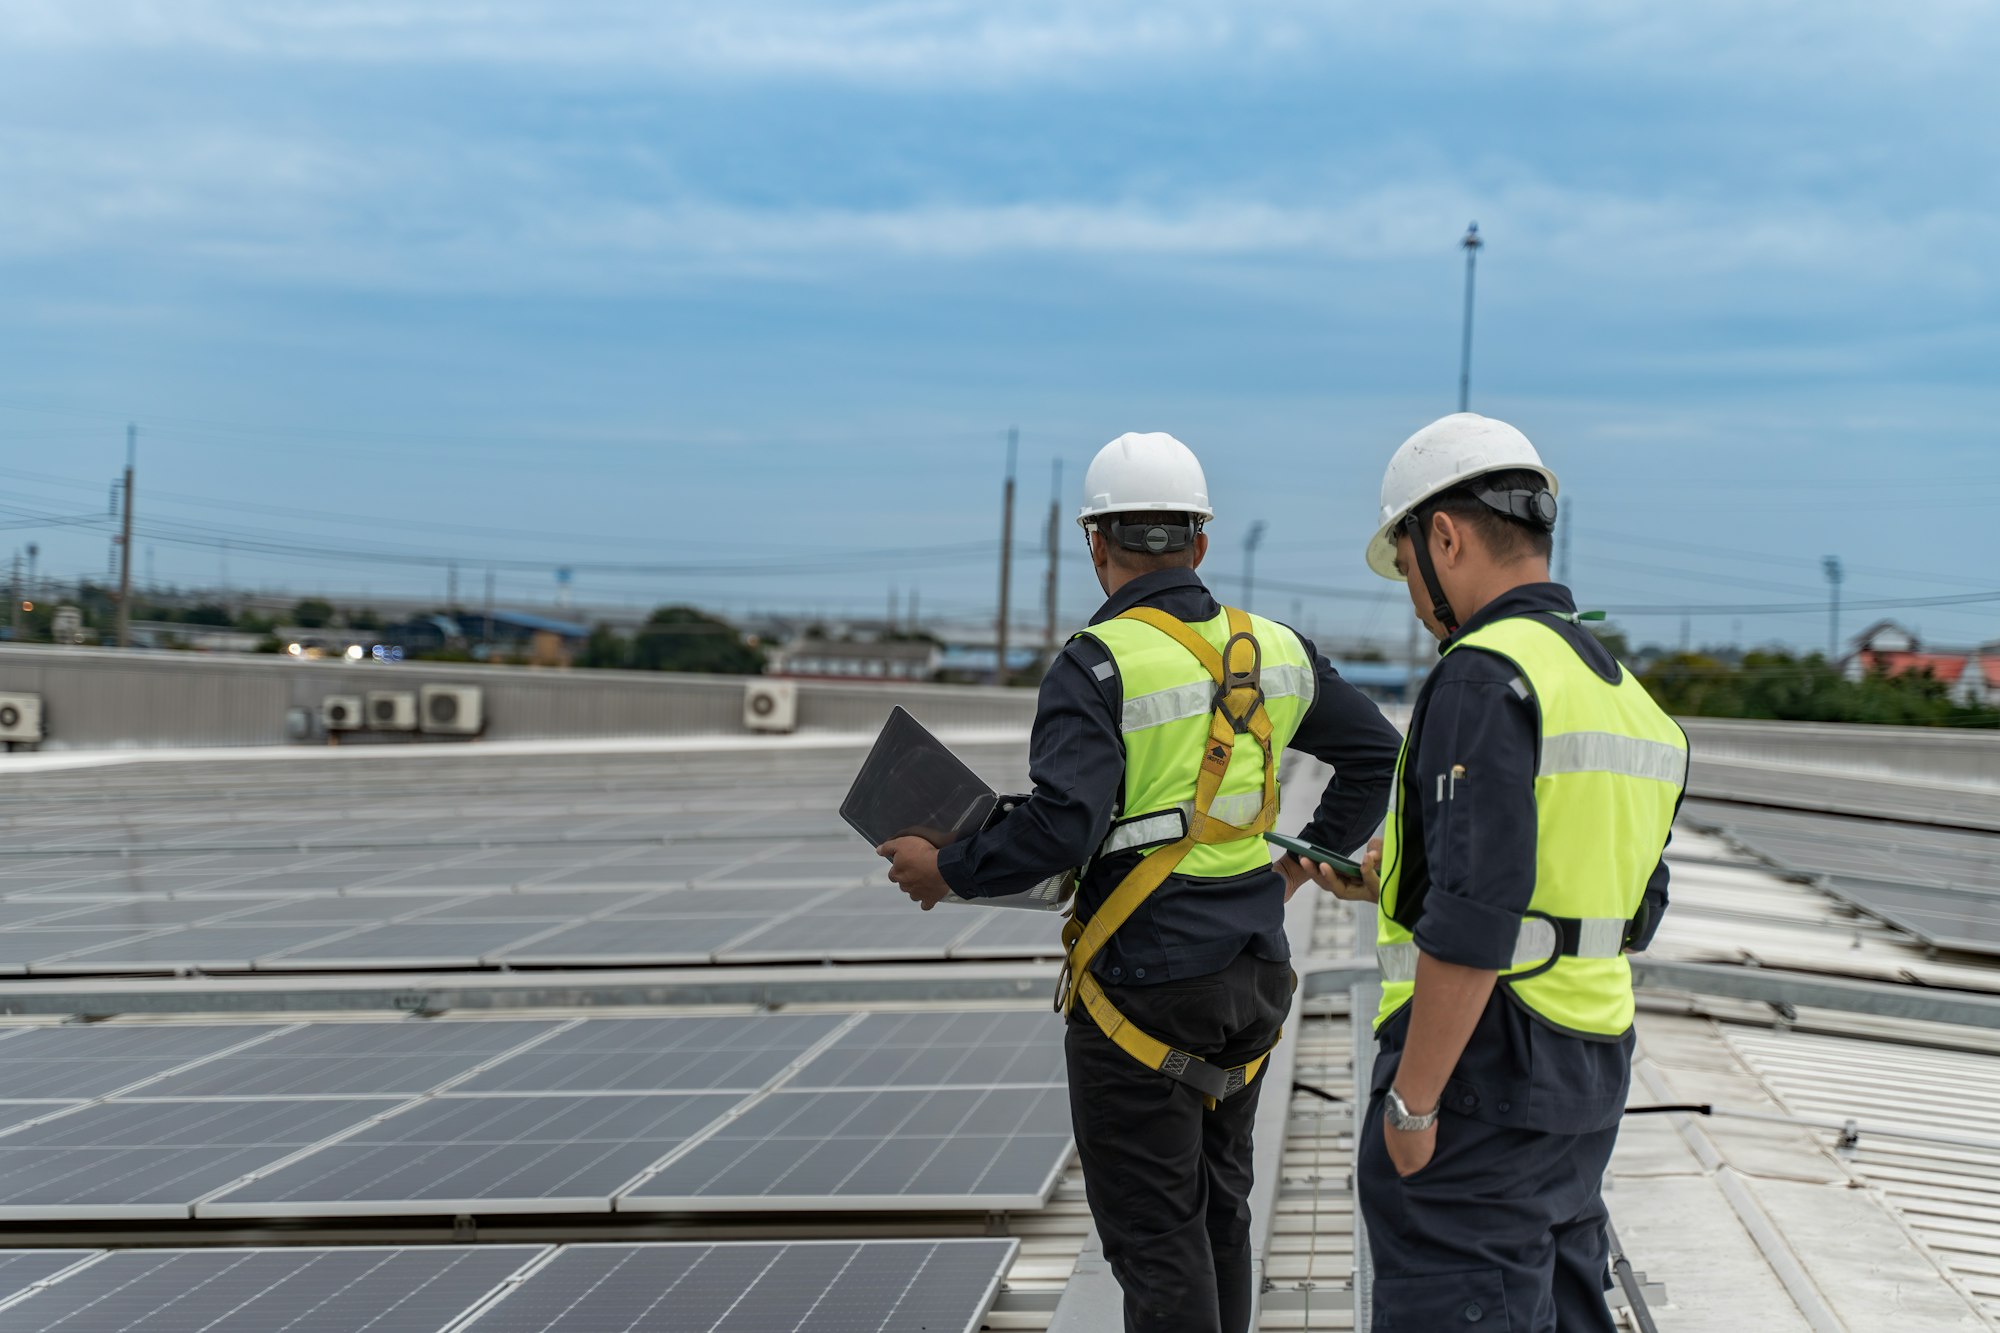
x=1141 y=471
x=1450 y=450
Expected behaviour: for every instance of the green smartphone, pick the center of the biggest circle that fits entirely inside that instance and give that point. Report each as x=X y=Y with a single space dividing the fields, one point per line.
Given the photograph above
x=1312 y=853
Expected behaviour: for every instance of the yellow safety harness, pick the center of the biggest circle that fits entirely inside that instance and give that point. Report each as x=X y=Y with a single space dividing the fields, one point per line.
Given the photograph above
x=1239 y=710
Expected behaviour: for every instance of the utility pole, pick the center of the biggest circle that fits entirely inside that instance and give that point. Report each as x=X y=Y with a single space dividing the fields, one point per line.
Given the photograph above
x=451 y=587
x=1471 y=244
x=489 y=613
x=1049 y=594
x=19 y=595
x=1410 y=657
x=1564 y=522
x=125 y=542
x=893 y=624
x=1251 y=541
x=1831 y=565
x=1006 y=560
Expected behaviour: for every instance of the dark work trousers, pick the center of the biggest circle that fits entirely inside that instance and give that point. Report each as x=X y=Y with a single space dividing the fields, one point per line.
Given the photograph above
x=1168 y=1179
x=1503 y=1230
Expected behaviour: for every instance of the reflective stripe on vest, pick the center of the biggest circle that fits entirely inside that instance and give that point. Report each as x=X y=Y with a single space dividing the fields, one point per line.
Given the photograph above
x=1602 y=937
x=1611 y=772
x=1168 y=702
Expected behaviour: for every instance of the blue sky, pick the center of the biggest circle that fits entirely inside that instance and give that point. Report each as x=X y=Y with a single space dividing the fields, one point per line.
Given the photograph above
x=713 y=289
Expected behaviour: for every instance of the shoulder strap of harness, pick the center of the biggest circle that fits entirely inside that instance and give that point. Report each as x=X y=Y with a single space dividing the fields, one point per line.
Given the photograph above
x=1238 y=710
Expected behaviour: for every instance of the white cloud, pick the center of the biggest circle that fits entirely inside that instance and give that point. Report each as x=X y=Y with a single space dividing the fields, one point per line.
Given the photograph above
x=949 y=42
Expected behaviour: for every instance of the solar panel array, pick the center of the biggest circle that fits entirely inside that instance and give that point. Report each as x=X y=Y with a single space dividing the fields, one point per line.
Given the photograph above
x=943 y=1286
x=451 y=861
x=1941 y=885
x=705 y=1113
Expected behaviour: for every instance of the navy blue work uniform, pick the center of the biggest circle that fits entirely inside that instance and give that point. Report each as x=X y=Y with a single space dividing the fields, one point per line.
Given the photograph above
x=1504 y=1228
x=1203 y=965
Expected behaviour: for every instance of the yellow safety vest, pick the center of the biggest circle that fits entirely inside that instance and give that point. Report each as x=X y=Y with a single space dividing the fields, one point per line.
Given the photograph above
x=1199 y=800
x=1609 y=775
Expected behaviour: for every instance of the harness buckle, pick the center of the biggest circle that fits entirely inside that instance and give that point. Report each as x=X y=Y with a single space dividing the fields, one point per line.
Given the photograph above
x=1233 y=681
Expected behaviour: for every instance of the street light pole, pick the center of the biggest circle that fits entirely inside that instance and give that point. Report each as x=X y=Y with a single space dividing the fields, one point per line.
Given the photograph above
x=1251 y=541
x=125 y=542
x=1471 y=243
x=1834 y=575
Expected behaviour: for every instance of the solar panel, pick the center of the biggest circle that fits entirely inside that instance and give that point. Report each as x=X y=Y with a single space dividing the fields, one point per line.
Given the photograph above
x=21 y=1269
x=692 y=939
x=1013 y=934
x=411 y=944
x=353 y=1060
x=481 y=1154
x=942 y=1286
x=858 y=926
x=346 y=909
x=765 y=904
x=20 y=947
x=557 y=906
x=133 y=1159
x=154 y=913
x=414 y=1290
x=220 y=947
x=953 y=1148
x=695 y=1054
x=71 y=1062
x=909 y=1050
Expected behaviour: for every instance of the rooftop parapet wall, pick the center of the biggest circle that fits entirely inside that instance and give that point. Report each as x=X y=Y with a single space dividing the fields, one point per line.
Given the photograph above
x=96 y=699
x=1970 y=758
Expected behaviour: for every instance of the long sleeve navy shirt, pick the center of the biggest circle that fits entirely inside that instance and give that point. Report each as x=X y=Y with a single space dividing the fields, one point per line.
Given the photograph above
x=1076 y=760
x=1480 y=870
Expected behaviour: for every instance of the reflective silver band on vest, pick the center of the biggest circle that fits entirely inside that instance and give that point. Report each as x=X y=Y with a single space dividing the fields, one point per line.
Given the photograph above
x=1283 y=681
x=1609 y=752
x=1165 y=826
x=1599 y=937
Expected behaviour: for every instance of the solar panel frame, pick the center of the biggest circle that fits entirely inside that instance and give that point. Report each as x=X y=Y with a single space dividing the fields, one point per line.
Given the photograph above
x=739 y=1053
x=443 y=1135
x=828 y=1286
x=44 y=1163
x=772 y=1143
x=396 y=1059
x=137 y=1054
x=240 y=1289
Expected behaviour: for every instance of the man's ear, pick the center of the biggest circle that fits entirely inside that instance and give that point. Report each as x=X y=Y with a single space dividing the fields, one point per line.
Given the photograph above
x=1200 y=549
x=1447 y=539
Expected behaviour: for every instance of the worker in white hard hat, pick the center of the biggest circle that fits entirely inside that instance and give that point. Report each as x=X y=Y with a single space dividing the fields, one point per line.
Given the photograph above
x=1155 y=764
x=1524 y=859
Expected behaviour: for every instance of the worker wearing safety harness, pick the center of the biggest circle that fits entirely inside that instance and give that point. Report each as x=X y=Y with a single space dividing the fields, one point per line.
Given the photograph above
x=1155 y=765
x=1521 y=862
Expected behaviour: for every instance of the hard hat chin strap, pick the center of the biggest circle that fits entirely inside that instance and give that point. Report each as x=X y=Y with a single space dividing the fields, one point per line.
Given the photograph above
x=1420 y=546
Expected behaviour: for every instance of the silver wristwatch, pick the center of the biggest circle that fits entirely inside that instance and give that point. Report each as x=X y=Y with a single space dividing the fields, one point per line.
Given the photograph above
x=1401 y=1118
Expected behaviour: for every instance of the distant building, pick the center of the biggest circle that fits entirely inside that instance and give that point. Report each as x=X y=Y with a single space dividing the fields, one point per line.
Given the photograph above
x=1973 y=674
x=825 y=659
x=424 y=634
x=542 y=640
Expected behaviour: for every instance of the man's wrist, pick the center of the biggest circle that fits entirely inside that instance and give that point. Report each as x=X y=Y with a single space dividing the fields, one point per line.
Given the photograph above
x=1411 y=1119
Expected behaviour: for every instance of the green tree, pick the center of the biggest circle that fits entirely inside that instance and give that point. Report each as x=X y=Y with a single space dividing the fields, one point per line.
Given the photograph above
x=680 y=638
x=366 y=618
x=208 y=613
x=606 y=649
x=1779 y=686
x=312 y=613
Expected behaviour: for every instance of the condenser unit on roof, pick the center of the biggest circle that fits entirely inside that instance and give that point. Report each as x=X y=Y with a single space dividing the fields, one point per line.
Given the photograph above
x=392 y=710
x=20 y=718
x=771 y=705
x=343 y=712
x=452 y=710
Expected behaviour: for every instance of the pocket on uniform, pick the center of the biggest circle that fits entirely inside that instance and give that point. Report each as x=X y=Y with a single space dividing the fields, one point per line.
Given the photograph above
x=1429 y=1302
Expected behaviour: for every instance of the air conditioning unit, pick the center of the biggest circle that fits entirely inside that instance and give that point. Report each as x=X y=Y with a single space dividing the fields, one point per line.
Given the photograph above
x=343 y=712
x=771 y=705
x=20 y=718
x=392 y=710
x=452 y=710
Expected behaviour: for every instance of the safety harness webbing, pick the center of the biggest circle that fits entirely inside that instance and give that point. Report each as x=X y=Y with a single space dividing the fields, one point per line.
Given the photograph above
x=1239 y=710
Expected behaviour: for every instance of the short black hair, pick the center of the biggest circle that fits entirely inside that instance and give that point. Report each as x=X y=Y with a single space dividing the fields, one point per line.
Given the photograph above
x=1508 y=538
x=1125 y=558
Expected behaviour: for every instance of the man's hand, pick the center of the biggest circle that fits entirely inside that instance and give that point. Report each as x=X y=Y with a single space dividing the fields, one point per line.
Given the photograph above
x=913 y=869
x=1409 y=1150
x=1367 y=889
